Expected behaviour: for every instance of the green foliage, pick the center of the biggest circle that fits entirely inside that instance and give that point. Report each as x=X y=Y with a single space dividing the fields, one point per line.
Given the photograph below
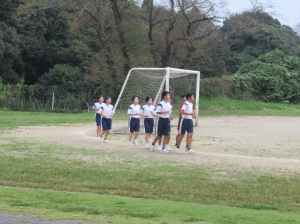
x=273 y=77
x=68 y=77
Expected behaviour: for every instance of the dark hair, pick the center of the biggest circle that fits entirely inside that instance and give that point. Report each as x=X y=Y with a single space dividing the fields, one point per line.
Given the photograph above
x=148 y=98
x=133 y=98
x=164 y=93
x=108 y=97
x=100 y=96
x=189 y=95
x=183 y=95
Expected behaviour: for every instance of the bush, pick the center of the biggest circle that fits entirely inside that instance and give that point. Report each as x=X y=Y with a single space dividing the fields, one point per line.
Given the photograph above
x=273 y=77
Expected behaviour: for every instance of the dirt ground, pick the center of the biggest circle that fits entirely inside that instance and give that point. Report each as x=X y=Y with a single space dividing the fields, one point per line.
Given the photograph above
x=268 y=144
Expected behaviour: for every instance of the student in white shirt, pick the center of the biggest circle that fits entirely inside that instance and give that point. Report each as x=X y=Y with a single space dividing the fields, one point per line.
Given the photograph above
x=186 y=123
x=163 y=111
x=96 y=108
x=134 y=120
x=106 y=113
x=148 y=112
x=167 y=147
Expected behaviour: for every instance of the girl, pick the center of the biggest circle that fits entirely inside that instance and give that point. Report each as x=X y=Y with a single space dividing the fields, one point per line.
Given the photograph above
x=134 y=120
x=106 y=113
x=148 y=112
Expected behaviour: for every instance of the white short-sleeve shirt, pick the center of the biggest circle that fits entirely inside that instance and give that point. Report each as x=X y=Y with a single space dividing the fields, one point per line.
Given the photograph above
x=163 y=106
x=106 y=110
x=187 y=107
x=132 y=109
x=146 y=110
x=98 y=105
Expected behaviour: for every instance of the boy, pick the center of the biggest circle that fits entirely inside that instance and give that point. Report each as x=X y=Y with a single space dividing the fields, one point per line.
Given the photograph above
x=163 y=111
x=106 y=113
x=186 y=123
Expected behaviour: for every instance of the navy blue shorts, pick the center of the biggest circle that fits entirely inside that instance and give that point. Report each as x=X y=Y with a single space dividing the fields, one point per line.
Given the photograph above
x=148 y=125
x=106 y=124
x=186 y=125
x=134 y=124
x=162 y=127
x=98 y=119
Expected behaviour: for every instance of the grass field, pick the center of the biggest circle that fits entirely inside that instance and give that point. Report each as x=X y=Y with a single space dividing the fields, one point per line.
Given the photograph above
x=49 y=181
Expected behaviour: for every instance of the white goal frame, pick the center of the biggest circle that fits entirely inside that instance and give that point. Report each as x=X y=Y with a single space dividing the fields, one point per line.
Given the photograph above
x=166 y=83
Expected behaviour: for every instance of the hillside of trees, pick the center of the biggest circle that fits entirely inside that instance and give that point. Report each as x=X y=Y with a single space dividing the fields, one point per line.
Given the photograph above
x=76 y=44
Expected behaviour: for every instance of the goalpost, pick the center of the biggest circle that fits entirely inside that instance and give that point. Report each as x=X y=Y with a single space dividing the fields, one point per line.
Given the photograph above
x=152 y=82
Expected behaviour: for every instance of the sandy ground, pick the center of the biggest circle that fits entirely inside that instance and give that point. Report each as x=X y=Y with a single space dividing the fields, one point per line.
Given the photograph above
x=269 y=144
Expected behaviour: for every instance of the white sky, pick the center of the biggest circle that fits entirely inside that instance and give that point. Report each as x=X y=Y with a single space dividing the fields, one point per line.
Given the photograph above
x=286 y=11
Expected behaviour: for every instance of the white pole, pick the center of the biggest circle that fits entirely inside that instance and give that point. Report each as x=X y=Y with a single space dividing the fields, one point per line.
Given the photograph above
x=157 y=98
x=197 y=97
x=167 y=79
x=128 y=75
x=52 y=100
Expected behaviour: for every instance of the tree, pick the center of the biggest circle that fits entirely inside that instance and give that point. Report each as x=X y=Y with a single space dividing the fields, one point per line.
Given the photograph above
x=10 y=61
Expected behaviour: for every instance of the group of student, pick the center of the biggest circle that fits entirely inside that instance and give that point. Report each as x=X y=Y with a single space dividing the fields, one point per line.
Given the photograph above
x=105 y=111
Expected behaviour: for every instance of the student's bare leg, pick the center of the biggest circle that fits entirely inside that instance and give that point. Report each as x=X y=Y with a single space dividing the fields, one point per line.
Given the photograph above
x=136 y=134
x=130 y=136
x=98 y=130
x=147 y=136
x=177 y=137
x=180 y=137
x=189 y=138
x=159 y=141
x=106 y=133
x=155 y=139
x=168 y=138
x=165 y=140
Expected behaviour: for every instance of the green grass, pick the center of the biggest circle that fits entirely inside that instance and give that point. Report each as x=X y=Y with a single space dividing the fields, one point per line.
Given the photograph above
x=171 y=191
x=115 y=209
x=223 y=107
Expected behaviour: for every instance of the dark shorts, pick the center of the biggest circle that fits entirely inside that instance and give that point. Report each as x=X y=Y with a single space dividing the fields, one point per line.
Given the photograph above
x=106 y=124
x=162 y=127
x=148 y=125
x=186 y=125
x=134 y=124
x=98 y=119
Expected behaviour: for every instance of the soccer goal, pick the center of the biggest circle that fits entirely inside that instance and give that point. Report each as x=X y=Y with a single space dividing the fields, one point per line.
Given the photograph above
x=152 y=82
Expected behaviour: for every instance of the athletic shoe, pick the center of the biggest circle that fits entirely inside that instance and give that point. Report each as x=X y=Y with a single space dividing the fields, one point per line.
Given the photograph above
x=159 y=148
x=164 y=151
x=167 y=147
x=105 y=141
x=186 y=148
x=146 y=145
x=99 y=138
x=135 y=142
x=129 y=143
x=152 y=147
x=190 y=151
x=178 y=150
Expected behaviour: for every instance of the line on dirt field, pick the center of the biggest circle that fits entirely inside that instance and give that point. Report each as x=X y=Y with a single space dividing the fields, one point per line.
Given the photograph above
x=82 y=133
x=86 y=136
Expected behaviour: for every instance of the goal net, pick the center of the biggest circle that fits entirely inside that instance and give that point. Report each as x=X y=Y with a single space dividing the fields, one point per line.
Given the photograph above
x=152 y=82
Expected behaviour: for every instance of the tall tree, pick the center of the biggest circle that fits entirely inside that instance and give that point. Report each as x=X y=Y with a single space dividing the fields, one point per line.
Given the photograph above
x=10 y=61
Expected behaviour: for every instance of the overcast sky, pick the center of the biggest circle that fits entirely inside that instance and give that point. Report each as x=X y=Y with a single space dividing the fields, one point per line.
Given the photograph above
x=287 y=11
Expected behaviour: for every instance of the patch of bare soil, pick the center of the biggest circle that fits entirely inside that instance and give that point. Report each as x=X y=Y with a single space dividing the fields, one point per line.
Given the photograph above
x=268 y=144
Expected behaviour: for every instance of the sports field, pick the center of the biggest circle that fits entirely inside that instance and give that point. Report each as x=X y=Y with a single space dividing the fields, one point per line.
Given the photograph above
x=245 y=170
